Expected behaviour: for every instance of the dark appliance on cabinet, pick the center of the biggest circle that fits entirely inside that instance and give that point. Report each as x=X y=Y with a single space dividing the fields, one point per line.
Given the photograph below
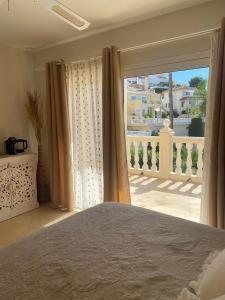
x=14 y=146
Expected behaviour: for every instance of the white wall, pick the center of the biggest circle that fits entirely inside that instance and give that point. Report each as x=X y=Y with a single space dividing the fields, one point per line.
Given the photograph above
x=16 y=77
x=190 y=20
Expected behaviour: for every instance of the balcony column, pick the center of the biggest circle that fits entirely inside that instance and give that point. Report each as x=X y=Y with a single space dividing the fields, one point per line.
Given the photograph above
x=165 y=150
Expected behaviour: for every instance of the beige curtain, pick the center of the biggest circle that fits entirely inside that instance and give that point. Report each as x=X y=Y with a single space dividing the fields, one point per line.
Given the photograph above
x=216 y=207
x=58 y=136
x=115 y=171
x=208 y=125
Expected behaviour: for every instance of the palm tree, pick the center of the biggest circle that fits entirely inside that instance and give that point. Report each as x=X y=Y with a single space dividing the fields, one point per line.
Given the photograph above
x=171 y=99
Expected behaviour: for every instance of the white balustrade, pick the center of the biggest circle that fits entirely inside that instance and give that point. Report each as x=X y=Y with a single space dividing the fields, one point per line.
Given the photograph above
x=191 y=154
x=128 y=153
x=200 y=160
x=145 y=156
x=166 y=156
x=136 y=156
x=189 y=147
x=154 y=160
x=178 y=169
x=148 y=149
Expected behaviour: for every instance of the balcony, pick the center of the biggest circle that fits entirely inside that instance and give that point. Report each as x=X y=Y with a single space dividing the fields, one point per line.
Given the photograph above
x=166 y=172
x=175 y=198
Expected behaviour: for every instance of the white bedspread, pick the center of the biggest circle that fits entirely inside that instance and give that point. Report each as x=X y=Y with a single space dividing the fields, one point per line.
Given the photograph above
x=108 y=252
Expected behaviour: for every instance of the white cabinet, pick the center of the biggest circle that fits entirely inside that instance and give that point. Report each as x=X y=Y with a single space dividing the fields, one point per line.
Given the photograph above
x=18 y=193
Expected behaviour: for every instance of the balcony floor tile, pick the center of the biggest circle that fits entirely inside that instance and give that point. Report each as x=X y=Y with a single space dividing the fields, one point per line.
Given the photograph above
x=176 y=198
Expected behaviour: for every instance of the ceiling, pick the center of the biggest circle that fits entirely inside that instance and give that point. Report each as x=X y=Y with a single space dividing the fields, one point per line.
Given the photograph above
x=28 y=25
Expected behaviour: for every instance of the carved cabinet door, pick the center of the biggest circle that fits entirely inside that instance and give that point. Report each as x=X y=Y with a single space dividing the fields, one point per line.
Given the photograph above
x=5 y=189
x=17 y=186
x=22 y=183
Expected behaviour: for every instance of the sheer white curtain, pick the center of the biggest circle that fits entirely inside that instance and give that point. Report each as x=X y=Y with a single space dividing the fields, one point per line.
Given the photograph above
x=85 y=98
x=208 y=125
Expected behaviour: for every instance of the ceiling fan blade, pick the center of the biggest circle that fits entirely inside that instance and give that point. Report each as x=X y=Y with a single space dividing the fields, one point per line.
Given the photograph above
x=65 y=14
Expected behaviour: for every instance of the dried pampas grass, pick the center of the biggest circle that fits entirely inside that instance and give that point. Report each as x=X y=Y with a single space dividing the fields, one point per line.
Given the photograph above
x=36 y=113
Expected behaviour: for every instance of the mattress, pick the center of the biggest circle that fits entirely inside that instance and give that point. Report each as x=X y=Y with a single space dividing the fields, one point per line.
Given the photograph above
x=111 y=251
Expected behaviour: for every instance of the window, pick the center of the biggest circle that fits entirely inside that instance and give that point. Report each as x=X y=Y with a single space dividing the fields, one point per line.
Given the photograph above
x=144 y=99
x=190 y=84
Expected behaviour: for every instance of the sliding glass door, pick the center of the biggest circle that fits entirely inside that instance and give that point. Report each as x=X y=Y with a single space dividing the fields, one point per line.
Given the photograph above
x=165 y=115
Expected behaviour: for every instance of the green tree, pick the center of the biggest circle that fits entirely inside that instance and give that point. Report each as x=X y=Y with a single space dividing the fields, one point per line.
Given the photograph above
x=162 y=86
x=196 y=81
x=165 y=114
x=171 y=99
x=202 y=94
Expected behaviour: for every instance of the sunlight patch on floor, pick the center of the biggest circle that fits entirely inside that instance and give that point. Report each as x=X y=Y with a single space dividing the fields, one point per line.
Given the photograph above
x=165 y=184
x=175 y=185
x=27 y=223
x=179 y=199
x=186 y=187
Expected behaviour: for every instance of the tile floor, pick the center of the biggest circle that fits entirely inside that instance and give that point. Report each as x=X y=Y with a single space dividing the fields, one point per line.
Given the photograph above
x=176 y=198
x=181 y=199
x=25 y=224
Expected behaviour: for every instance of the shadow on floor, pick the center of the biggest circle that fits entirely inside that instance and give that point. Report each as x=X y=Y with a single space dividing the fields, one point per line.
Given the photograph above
x=180 y=199
x=142 y=184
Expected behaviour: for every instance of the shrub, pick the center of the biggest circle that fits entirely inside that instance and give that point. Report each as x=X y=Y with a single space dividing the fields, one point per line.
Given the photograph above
x=175 y=114
x=196 y=128
x=165 y=114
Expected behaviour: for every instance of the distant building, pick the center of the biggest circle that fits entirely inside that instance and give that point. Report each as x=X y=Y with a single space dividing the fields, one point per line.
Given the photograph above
x=190 y=102
x=183 y=97
x=141 y=101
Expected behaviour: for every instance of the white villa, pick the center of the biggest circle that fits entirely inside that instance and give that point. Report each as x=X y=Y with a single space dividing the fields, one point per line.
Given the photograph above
x=183 y=97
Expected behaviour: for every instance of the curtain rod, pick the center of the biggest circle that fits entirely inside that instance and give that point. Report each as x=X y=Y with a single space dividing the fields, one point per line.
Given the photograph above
x=178 y=38
x=71 y=62
x=89 y=58
x=173 y=39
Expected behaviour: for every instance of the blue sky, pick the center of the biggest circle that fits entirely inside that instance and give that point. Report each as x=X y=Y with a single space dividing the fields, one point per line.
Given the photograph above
x=182 y=77
x=179 y=77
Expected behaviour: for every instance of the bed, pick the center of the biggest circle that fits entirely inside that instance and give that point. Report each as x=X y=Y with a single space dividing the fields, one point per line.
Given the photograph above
x=111 y=251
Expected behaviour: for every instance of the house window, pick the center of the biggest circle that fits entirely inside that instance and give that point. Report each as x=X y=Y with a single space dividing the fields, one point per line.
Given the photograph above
x=144 y=99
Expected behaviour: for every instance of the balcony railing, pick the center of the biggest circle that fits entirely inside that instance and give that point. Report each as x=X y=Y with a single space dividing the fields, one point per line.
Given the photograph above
x=166 y=156
x=140 y=121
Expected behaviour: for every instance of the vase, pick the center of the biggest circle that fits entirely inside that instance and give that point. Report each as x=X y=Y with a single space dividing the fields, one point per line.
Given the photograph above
x=42 y=183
